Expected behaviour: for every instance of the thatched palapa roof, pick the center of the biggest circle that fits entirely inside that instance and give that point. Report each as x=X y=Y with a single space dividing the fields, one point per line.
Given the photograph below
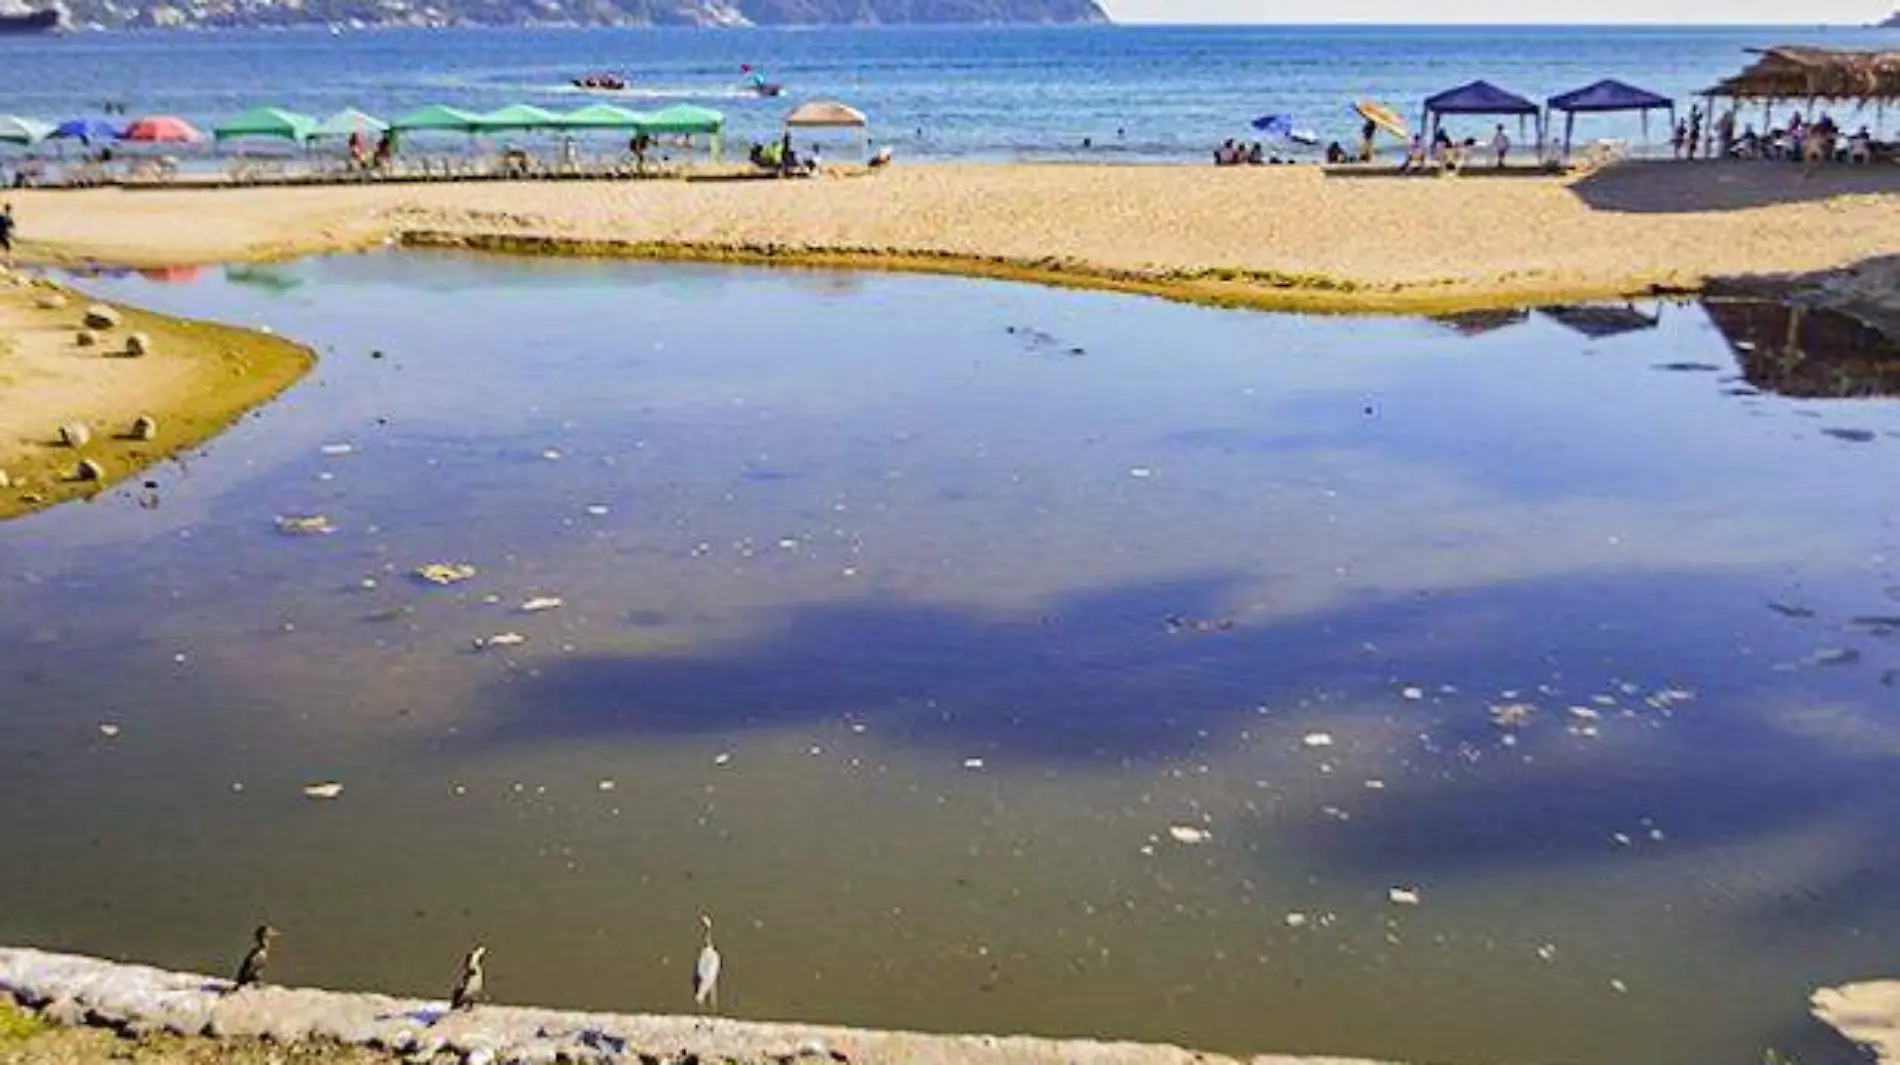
x=1801 y=73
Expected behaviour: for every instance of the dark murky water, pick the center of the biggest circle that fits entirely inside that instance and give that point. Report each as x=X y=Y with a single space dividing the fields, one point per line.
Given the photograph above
x=904 y=618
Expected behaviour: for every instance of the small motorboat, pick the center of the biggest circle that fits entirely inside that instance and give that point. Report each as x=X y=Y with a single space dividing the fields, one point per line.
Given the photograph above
x=768 y=88
x=601 y=80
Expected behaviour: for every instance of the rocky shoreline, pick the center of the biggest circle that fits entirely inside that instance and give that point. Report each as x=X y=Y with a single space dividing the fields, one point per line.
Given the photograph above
x=141 y=1002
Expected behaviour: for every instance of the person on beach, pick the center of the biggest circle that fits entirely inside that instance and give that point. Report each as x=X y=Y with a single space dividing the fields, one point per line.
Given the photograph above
x=1725 y=134
x=1695 y=131
x=1366 y=133
x=1679 y=137
x=1414 y=155
x=6 y=234
x=1441 y=145
x=1500 y=145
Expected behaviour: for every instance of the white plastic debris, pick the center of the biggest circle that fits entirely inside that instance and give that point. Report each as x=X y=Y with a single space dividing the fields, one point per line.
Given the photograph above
x=329 y=789
x=541 y=603
x=722 y=758
x=973 y=763
x=597 y=511
x=304 y=525
x=1141 y=472
x=1296 y=920
x=1413 y=694
x=1318 y=739
x=501 y=639
x=606 y=785
x=108 y=731
x=337 y=449
x=1402 y=896
x=1189 y=834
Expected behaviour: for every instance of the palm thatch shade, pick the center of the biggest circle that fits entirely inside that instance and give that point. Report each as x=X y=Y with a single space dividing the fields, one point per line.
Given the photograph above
x=825 y=113
x=1801 y=73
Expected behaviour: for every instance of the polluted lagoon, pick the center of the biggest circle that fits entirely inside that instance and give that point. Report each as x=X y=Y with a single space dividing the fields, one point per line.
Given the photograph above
x=989 y=658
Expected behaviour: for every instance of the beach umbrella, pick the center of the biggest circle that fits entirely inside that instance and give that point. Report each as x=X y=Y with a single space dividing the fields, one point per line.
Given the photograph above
x=1383 y=117
x=684 y=118
x=516 y=117
x=266 y=122
x=17 y=130
x=601 y=116
x=437 y=117
x=825 y=113
x=85 y=129
x=167 y=129
x=350 y=121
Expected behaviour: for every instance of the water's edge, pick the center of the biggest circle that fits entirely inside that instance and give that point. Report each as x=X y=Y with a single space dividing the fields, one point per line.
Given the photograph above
x=139 y=1000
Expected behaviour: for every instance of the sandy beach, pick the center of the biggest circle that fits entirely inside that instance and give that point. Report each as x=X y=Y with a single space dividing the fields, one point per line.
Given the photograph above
x=1292 y=238
x=192 y=380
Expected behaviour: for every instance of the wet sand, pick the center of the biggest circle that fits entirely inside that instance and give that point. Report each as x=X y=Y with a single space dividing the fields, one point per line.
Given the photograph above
x=1290 y=238
x=194 y=379
x=144 y=1002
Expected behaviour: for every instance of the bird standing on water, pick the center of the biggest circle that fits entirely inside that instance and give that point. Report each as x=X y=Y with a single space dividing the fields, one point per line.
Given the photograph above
x=706 y=970
x=468 y=985
x=251 y=971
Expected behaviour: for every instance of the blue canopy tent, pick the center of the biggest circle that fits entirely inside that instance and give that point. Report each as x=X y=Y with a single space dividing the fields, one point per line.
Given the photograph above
x=1608 y=95
x=1478 y=98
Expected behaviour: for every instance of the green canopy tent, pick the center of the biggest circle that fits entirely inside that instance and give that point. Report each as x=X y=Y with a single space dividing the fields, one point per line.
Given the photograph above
x=516 y=117
x=350 y=121
x=274 y=122
x=601 y=116
x=437 y=117
x=686 y=120
x=23 y=131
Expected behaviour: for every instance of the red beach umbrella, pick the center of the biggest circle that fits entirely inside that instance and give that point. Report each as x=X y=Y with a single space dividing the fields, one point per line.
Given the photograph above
x=165 y=128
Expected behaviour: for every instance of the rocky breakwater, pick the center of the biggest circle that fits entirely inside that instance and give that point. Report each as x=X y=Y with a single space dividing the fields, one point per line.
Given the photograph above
x=137 y=1000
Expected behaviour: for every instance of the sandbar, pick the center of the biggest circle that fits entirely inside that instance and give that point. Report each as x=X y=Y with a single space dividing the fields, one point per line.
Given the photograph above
x=1286 y=238
x=195 y=379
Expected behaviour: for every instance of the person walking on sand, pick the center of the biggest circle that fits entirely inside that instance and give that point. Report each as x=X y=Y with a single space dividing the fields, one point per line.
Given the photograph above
x=1500 y=145
x=6 y=235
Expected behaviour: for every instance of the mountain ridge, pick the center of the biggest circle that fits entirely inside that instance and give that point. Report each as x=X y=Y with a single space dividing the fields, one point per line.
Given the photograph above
x=185 y=14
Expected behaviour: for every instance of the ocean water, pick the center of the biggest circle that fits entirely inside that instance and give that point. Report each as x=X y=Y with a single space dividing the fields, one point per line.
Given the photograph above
x=910 y=647
x=1146 y=93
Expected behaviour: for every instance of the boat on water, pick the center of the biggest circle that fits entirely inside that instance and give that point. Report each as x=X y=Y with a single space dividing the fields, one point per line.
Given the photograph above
x=601 y=82
x=40 y=20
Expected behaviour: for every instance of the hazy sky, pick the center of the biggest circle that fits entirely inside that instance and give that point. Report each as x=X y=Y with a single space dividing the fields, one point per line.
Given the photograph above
x=1510 y=11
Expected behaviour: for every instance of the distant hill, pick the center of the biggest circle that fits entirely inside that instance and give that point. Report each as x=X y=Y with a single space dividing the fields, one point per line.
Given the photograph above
x=232 y=13
x=1892 y=22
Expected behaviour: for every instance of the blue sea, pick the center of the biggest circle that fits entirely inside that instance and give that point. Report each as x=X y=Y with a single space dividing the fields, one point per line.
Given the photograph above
x=1131 y=93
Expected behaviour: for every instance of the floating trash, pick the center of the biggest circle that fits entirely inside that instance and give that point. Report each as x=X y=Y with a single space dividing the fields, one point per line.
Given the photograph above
x=327 y=790
x=1413 y=694
x=108 y=731
x=500 y=639
x=543 y=603
x=597 y=511
x=1512 y=715
x=1296 y=920
x=723 y=758
x=1141 y=473
x=1189 y=834
x=337 y=449
x=304 y=525
x=1401 y=896
x=445 y=572
x=1318 y=739
x=605 y=785
x=973 y=763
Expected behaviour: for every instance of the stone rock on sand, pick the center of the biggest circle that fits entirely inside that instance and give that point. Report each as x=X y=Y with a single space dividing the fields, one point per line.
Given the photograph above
x=100 y=316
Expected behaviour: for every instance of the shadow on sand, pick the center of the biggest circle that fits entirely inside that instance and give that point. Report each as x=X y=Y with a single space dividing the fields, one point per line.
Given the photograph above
x=1662 y=187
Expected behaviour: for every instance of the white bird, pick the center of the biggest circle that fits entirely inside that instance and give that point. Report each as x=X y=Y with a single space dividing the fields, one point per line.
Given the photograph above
x=706 y=970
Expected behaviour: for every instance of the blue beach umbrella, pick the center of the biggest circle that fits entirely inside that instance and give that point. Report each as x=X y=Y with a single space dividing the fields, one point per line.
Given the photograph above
x=1281 y=128
x=85 y=130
